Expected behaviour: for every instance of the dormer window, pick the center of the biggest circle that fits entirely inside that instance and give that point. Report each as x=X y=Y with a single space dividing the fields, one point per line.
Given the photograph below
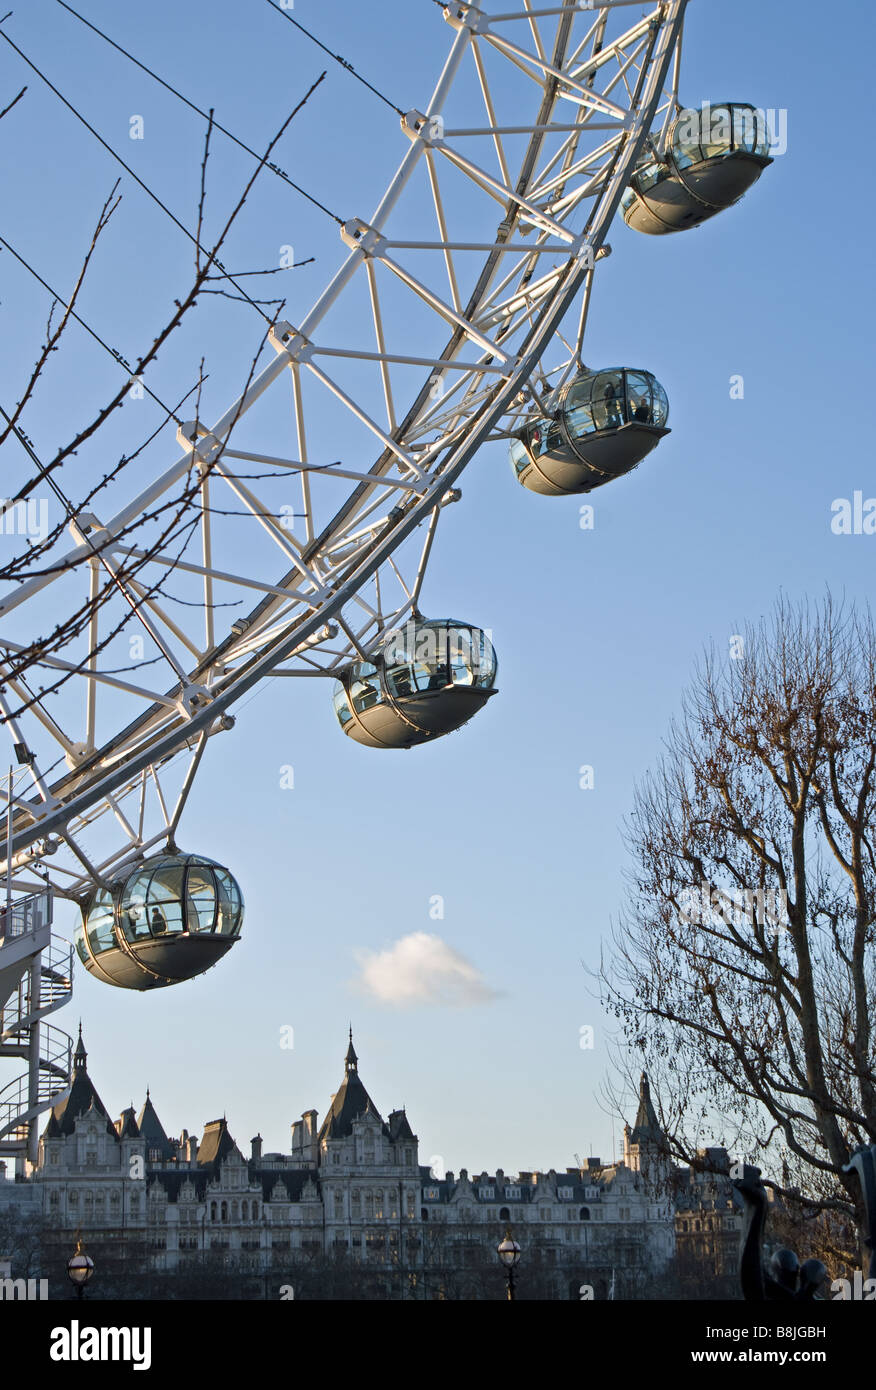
x=565 y=1194
x=487 y=1194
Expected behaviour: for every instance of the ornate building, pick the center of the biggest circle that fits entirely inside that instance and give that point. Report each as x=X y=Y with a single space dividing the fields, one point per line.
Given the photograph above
x=351 y=1192
x=708 y=1224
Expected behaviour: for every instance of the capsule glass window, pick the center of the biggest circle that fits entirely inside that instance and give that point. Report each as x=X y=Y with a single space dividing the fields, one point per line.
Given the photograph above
x=132 y=909
x=608 y=400
x=164 y=899
x=444 y=654
x=519 y=461
x=538 y=438
x=717 y=138
x=750 y=131
x=342 y=705
x=471 y=659
x=80 y=943
x=417 y=677
x=100 y=924
x=648 y=175
x=578 y=409
x=200 y=898
x=365 y=687
x=229 y=904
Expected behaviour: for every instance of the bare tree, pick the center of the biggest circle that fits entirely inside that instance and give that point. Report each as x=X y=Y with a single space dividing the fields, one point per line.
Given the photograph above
x=744 y=966
x=21 y=1234
x=176 y=518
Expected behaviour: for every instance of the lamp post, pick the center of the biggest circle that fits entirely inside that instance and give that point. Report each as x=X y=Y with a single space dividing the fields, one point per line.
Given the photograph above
x=509 y=1253
x=80 y=1268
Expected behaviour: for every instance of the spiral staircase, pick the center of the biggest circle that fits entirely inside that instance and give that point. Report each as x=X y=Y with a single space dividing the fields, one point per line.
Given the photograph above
x=36 y=978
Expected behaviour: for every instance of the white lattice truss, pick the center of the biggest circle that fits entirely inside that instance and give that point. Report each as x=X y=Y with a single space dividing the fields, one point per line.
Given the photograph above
x=583 y=102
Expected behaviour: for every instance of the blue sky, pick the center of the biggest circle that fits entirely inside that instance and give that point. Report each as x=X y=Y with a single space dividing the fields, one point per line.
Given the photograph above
x=596 y=631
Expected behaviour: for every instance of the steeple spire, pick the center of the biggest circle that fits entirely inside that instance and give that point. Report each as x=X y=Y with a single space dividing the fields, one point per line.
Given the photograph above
x=351 y=1060
x=647 y=1127
x=80 y=1055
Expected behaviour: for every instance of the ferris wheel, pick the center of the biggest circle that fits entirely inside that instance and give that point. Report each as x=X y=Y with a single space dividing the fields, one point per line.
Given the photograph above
x=457 y=316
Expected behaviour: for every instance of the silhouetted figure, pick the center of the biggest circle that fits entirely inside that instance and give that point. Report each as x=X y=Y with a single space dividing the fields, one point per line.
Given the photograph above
x=784 y=1281
x=612 y=409
x=863 y=1162
x=158 y=923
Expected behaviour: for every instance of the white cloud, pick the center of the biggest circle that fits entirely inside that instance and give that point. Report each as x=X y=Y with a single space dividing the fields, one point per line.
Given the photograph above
x=421 y=969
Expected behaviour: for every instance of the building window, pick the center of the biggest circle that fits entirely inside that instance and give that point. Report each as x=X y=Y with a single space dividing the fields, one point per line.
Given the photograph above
x=486 y=1194
x=224 y=1211
x=504 y=1214
x=565 y=1194
x=244 y=1211
x=336 y=1158
x=584 y=1213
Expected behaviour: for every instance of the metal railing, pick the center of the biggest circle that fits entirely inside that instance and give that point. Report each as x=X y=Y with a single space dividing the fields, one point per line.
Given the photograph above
x=17 y=1106
x=44 y=985
x=55 y=988
x=26 y=915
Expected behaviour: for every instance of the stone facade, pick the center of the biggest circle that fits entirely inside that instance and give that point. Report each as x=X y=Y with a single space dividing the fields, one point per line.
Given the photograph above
x=351 y=1189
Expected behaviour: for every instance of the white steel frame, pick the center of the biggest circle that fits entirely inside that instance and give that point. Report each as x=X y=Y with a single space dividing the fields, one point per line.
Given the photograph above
x=341 y=585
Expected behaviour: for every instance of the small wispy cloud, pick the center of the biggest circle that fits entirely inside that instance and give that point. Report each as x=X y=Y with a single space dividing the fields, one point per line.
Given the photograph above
x=421 y=969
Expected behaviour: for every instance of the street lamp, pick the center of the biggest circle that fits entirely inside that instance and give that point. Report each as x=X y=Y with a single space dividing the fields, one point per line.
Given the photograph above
x=509 y=1253
x=80 y=1268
